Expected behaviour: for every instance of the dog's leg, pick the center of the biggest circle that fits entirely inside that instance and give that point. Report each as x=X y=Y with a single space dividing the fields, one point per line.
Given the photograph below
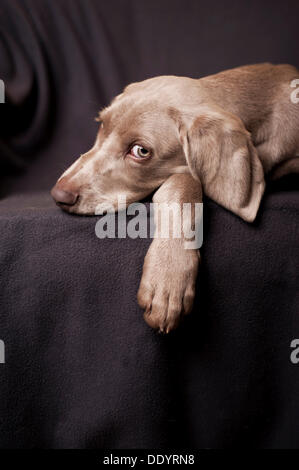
x=170 y=268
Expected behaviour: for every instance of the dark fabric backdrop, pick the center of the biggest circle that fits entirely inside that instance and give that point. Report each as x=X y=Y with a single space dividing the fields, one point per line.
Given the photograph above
x=82 y=368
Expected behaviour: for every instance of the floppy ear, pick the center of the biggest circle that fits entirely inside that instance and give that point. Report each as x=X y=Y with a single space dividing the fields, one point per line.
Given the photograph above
x=220 y=153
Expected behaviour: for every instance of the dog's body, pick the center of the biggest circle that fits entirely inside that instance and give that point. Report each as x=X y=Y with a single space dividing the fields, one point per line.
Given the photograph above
x=220 y=134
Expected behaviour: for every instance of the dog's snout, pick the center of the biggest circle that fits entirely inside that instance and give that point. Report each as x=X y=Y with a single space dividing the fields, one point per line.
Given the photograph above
x=68 y=198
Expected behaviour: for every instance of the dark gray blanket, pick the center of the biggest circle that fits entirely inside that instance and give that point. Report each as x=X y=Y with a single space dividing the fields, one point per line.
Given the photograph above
x=82 y=368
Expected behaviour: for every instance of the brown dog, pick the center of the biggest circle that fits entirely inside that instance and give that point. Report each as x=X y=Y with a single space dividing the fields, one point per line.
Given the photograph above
x=219 y=134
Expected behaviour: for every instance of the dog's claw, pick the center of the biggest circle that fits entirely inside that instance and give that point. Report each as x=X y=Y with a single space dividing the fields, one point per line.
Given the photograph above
x=167 y=288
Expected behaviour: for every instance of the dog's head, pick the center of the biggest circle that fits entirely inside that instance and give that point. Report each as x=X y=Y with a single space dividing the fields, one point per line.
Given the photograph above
x=155 y=128
x=137 y=147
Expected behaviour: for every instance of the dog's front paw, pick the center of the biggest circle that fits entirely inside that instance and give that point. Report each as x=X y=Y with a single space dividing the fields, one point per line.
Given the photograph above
x=167 y=287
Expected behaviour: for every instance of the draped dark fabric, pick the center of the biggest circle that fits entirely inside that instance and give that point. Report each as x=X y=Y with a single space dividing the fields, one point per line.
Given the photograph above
x=82 y=369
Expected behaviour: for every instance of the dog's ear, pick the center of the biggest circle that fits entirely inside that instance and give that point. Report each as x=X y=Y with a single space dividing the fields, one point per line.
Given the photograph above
x=220 y=153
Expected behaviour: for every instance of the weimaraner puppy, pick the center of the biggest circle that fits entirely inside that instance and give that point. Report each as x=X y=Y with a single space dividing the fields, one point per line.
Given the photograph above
x=219 y=134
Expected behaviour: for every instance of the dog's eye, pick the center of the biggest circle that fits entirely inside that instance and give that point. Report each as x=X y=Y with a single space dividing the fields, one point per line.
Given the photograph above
x=139 y=152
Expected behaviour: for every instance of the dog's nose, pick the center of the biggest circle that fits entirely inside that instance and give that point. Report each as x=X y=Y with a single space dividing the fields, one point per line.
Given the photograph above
x=69 y=198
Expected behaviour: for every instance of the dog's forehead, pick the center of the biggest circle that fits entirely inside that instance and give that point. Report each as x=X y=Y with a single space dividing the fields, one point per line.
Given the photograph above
x=144 y=114
x=138 y=106
x=151 y=98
